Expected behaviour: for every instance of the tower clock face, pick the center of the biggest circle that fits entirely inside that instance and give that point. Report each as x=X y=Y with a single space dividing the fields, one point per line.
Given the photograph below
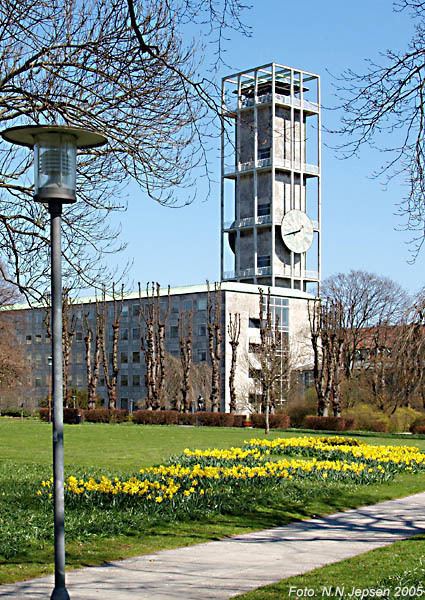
x=297 y=231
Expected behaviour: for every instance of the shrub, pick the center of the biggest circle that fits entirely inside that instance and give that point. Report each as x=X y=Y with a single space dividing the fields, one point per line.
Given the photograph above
x=15 y=412
x=420 y=429
x=105 y=415
x=299 y=410
x=368 y=418
x=328 y=423
x=71 y=416
x=418 y=424
x=239 y=420
x=44 y=414
x=186 y=419
x=276 y=421
x=403 y=418
x=154 y=417
x=209 y=419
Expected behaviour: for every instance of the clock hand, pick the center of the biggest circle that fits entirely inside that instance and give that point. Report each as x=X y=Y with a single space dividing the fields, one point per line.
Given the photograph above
x=292 y=232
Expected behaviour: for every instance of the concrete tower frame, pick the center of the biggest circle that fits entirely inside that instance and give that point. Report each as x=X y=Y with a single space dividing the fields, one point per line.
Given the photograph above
x=270 y=164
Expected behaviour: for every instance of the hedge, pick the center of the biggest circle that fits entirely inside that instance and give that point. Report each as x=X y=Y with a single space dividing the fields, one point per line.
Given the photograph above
x=277 y=421
x=328 y=423
x=167 y=417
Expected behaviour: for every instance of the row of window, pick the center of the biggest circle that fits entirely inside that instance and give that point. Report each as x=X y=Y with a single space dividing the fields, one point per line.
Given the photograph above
x=124 y=334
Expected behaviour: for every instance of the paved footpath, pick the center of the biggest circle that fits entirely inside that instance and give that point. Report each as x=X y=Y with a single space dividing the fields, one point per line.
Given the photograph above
x=222 y=569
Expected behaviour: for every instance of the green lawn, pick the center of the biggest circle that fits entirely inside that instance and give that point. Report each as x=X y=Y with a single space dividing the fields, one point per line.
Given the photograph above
x=25 y=450
x=399 y=565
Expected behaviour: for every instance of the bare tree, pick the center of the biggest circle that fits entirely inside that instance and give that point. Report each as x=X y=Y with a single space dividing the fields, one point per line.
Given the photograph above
x=13 y=365
x=269 y=360
x=185 y=344
x=93 y=356
x=153 y=342
x=383 y=106
x=365 y=300
x=327 y=338
x=234 y=330
x=407 y=356
x=214 y=341
x=111 y=374
x=69 y=323
x=124 y=68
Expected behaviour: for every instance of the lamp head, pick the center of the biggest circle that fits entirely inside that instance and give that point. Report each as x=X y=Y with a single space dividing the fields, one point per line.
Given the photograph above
x=55 y=157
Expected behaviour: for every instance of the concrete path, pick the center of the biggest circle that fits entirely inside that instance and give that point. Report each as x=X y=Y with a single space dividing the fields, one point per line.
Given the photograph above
x=222 y=569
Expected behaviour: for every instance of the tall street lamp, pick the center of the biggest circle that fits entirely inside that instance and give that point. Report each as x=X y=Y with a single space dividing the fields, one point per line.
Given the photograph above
x=55 y=155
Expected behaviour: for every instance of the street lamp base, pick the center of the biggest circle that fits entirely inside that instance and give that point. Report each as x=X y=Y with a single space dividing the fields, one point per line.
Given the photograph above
x=60 y=594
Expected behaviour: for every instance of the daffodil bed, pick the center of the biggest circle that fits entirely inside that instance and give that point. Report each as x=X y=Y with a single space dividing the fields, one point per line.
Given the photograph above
x=200 y=479
x=196 y=496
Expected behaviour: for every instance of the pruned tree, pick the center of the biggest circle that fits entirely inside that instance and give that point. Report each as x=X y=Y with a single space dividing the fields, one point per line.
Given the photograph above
x=383 y=106
x=269 y=363
x=407 y=355
x=69 y=324
x=234 y=331
x=131 y=72
x=327 y=338
x=111 y=372
x=93 y=354
x=153 y=342
x=185 y=344
x=13 y=364
x=214 y=323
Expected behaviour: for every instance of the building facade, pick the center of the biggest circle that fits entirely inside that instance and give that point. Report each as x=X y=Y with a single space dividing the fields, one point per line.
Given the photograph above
x=33 y=334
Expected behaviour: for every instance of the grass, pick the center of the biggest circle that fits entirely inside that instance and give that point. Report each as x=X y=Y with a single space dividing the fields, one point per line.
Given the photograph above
x=95 y=536
x=401 y=564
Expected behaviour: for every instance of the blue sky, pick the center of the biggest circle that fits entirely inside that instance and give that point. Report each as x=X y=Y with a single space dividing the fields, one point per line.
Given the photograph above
x=181 y=246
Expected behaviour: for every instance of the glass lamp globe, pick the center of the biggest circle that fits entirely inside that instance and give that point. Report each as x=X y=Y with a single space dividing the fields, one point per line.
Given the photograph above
x=55 y=157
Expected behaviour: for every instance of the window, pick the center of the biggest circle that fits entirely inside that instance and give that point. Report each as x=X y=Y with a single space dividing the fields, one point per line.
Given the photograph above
x=28 y=339
x=254 y=347
x=202 y=355
x=254 y=323
x=187 y=305
x=124 y=358
x=125 y=310
x=174 y=331
x=263 y=210
x=124 y=334
x=124 y=403
x=79 y=336
x=79 y=358
x=202 y=330
x=202 y=304
x=253 y=373
x=38 y=382
x=263 y=153
x=263 y=261
x=136 y=357
x=135 y=309
x=102 y=382
x=136 y=380
x=38 y=338
x=135 y=333
x=124 y=380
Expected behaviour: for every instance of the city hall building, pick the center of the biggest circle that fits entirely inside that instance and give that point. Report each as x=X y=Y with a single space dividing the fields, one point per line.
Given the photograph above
x=270 y=237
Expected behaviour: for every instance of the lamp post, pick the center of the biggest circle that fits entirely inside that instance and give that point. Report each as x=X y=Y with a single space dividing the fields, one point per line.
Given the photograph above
x=55 y=154
x=49 y=391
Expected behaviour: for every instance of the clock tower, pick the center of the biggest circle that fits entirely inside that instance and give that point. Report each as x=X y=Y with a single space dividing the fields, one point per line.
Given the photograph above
x=270 y=178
